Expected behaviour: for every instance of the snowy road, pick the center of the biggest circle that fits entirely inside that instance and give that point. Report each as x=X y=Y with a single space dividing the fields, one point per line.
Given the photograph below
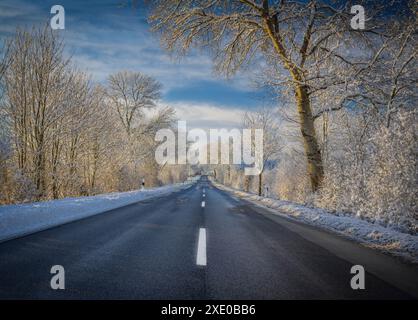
x=198 y=243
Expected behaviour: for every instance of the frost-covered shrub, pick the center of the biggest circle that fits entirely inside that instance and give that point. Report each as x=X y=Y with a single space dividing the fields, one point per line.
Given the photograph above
x=291 y=180
x=392 y=184
x=24 y=189
x=376 y=178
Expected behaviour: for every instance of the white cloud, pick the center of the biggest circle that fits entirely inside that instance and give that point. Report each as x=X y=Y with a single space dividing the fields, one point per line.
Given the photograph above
x=207 y=116
x=17 y=8
x=119 y=41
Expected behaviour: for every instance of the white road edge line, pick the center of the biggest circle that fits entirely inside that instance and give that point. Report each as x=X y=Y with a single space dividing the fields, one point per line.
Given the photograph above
x=201 y=248
x=203 y=204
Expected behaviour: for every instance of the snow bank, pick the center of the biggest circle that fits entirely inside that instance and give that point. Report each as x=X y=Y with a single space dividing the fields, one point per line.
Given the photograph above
x=369 y=234
x=21 y=219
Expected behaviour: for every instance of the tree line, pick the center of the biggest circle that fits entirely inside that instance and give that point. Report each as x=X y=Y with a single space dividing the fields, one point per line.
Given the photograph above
x=63 y=135
x=342 y=135
x=347 y=98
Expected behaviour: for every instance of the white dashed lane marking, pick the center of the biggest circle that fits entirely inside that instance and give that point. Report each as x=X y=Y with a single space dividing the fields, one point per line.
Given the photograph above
x=201 y=248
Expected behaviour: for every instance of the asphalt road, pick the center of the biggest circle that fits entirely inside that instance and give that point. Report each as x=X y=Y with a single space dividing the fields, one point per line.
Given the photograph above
x=176 y=247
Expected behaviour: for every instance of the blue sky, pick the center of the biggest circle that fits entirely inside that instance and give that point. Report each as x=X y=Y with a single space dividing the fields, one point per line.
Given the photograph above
x=104 y=36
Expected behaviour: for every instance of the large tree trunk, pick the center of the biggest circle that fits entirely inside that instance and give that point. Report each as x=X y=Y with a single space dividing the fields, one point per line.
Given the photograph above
x=39 y=174
x=310 y=141
x=55 y=154
x=38 y=160
x=246 y=183
x=260 y=183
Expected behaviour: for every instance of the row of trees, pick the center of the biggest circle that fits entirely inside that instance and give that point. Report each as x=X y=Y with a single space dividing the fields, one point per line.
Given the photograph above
x=347 y=97
x=344 y=137
x=62 y=135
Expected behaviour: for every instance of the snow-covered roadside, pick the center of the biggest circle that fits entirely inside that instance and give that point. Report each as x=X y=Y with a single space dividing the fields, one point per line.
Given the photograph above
x=369 y=234
x=21 y=219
